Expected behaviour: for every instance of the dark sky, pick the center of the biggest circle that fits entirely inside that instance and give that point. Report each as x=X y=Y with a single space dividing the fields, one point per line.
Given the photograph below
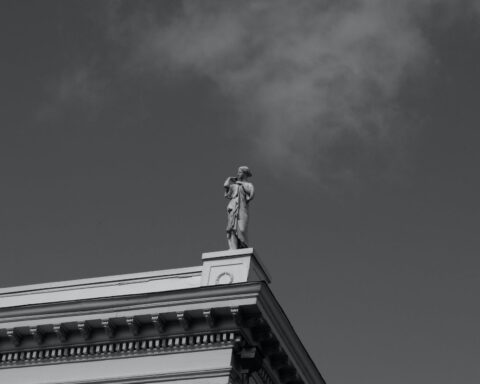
x=120 y=121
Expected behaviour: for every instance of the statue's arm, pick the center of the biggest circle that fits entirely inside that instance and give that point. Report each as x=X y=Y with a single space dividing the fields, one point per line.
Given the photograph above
x=228 y=187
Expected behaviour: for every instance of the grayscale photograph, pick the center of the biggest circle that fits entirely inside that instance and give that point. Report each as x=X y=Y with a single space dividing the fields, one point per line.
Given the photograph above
x=239 y=192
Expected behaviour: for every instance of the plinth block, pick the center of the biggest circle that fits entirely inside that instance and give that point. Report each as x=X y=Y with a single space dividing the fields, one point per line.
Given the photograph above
x=232 y=266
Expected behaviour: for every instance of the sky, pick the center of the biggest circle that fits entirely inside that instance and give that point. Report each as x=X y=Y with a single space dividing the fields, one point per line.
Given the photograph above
x=120 y=121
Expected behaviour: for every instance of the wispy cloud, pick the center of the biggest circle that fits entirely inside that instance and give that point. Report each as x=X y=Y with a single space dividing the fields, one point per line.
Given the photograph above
x=311 y=78
x=315 y=82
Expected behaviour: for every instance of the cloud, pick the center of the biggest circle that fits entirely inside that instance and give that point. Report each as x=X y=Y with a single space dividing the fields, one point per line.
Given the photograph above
x=307 y=76
x=315 y=83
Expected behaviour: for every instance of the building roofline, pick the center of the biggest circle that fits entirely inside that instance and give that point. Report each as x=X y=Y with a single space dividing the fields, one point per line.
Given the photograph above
x=100 y=281
x=247 y=294
x=229 y=284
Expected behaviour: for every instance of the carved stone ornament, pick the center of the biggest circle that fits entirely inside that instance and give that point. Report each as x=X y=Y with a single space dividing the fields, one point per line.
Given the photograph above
x=224 y=278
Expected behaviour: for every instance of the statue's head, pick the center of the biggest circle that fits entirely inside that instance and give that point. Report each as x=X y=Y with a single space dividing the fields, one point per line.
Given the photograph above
x=243 y=172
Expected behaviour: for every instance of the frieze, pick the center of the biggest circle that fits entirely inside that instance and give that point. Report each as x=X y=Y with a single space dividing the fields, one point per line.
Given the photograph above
x=118 y=349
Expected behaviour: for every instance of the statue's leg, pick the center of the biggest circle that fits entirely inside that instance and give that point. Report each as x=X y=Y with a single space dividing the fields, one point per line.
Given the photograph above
x=242 y=234
x=241 y=240
x=232 y=240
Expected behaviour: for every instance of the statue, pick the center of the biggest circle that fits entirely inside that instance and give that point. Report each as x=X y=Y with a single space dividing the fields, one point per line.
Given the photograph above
x=240 y=192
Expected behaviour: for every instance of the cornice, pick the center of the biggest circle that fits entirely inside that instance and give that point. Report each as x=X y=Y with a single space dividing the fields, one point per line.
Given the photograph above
x=246 y=309
x=132 y=305
x=223 y=304
x=278 y=328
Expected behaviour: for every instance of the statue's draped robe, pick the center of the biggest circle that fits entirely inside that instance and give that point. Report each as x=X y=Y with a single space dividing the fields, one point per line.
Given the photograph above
x=240 y=194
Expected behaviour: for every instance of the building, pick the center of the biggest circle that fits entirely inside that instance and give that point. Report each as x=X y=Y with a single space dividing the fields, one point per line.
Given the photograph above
x=217 y=323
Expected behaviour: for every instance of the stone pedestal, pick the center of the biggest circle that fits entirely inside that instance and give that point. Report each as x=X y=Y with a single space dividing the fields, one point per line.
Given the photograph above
x=232 y=266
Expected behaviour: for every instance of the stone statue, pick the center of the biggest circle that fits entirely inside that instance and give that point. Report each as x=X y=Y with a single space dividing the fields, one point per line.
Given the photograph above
x=240 y=192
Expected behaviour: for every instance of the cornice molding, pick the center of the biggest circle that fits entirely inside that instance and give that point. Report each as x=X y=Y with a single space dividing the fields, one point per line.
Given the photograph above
x=278 y=323
x=118 y=349
x=249 y=309
x=131 y=305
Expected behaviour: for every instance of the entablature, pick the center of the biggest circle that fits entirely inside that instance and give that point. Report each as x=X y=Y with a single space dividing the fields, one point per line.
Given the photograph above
x=225 y=303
